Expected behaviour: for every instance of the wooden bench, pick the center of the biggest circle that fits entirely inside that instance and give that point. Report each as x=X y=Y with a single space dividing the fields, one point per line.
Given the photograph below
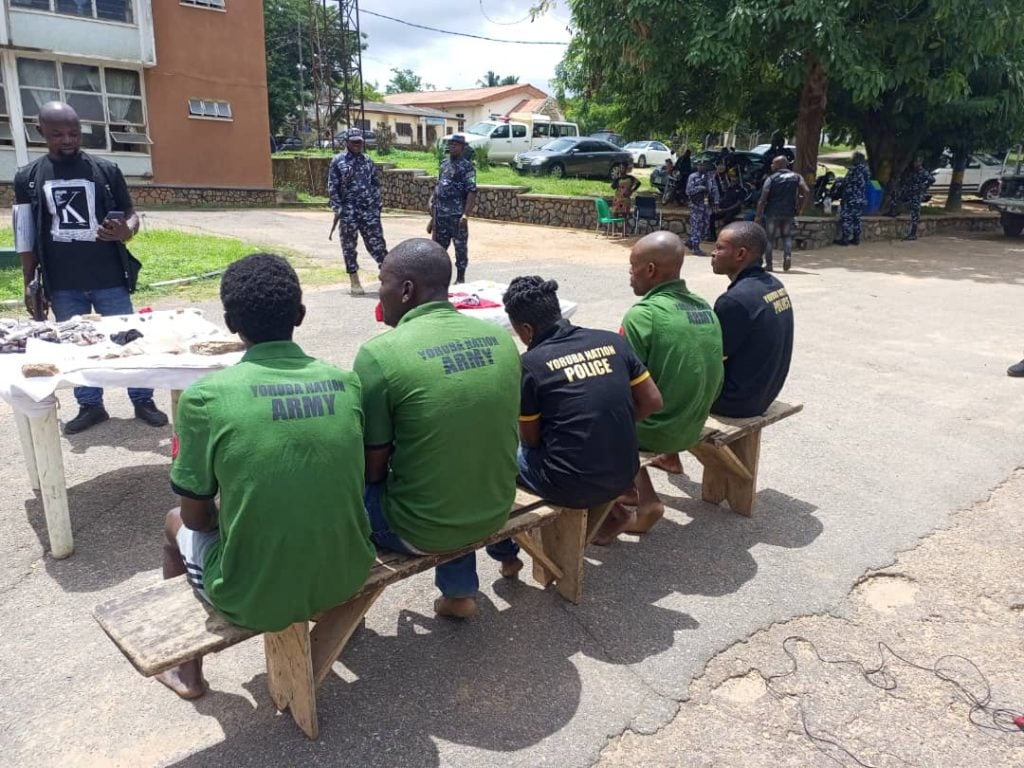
x=730 y=449
x=163 y=625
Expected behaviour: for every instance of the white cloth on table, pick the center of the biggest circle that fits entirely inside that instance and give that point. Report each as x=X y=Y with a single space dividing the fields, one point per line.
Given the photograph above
x=489 y=290
x=163 y=361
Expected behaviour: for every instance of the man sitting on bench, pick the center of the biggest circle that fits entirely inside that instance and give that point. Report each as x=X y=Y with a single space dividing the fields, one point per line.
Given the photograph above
x=582 y=392
x=441 y=398
x=280 y=437
x=757 y=323
x=676 y=335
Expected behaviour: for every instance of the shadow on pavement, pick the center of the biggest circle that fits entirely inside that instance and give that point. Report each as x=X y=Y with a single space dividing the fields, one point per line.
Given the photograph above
x=117 y=519
x=502 y=682
x=975 y=258
x=130 y=434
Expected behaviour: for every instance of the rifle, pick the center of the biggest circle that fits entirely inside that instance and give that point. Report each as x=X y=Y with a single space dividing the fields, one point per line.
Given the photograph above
x=37 y=304
x=334 y=226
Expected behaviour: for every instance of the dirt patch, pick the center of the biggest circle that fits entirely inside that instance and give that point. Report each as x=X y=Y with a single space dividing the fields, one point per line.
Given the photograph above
x=886 y=592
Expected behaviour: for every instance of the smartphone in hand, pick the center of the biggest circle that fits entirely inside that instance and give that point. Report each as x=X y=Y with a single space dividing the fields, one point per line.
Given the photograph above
x=115 y=215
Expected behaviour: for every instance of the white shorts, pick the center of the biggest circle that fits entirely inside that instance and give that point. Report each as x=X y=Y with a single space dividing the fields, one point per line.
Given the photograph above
x=193 y=546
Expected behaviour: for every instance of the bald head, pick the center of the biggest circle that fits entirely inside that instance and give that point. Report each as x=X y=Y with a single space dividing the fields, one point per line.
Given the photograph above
x=56 y=112
x=61 y=130
x=655 y=259
x=415 y=272
x=780 y=163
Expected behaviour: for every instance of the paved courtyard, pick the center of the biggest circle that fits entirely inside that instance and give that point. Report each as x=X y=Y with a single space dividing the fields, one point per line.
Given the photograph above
x=900 y=361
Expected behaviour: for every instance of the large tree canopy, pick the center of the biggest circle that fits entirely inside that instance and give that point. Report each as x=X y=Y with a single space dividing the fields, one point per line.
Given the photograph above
x=893 y=63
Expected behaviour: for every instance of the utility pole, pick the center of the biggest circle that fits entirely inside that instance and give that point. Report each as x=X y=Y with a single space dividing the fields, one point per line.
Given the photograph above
x=302 y=83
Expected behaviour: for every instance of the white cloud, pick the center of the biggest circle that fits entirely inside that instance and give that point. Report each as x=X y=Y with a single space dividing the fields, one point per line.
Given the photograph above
x=448 y=61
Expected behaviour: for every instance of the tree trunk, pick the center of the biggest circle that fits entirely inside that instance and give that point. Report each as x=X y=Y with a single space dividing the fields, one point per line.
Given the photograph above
x=955 y=198
x=810 y=119
x=890 y=147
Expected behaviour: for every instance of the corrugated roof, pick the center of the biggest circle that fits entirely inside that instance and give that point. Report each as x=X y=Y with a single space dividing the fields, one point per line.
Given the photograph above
x=401 y=109
x=531 y=106
x=464 y=95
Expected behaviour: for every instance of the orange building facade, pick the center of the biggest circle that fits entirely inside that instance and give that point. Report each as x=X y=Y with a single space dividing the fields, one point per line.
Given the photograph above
x=207 y=95
x=173 y=91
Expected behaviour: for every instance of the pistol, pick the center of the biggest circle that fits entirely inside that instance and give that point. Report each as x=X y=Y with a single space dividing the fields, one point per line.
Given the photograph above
x=37 y=298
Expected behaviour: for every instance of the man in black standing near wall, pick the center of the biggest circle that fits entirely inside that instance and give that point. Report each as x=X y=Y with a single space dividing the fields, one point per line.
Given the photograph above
x=72 y=216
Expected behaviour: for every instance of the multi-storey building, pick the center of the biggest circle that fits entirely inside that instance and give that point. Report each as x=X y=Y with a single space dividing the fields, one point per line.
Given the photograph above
x=173 y=91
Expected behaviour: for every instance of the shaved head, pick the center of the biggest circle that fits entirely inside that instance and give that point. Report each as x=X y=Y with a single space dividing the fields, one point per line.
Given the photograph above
x=61 y=130
x=415 y=272
x=779 y=163
x=57 y=112
x=655 y=259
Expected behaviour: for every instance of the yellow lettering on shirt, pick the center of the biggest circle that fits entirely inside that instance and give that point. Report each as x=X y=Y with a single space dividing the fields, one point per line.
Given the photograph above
x=567 y=361
x=588 y=370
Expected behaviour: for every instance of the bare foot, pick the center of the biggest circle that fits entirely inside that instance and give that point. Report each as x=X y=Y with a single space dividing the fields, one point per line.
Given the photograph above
x=669 y=462
x=456 y=607
x=646 y=517
x=187 y=683
x=628 y=498
x=618 y=521
x=510 y=568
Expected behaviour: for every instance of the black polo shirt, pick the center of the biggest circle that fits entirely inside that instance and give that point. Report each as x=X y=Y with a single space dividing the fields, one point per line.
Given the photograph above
x=578 y=382
x=757 y=341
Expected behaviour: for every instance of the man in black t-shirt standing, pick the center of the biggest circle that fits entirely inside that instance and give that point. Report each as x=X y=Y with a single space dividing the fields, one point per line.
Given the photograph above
x=72 y=216
x=583 y=390
x=757 y=323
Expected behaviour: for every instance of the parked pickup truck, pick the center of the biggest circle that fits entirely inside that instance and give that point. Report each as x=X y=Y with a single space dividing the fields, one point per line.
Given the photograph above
x=1010 y=203
x=981 y=176
x=504 y=139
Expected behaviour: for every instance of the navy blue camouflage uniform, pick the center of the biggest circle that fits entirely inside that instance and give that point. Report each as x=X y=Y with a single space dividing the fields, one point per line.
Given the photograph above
x=914 y=190
x=354 y=189
x=700 y=187
x=456 y=179
x=854 y=197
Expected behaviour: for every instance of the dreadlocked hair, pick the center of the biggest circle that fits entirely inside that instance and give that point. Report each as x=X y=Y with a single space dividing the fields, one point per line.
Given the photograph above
x=262 y=295
x=533 y=300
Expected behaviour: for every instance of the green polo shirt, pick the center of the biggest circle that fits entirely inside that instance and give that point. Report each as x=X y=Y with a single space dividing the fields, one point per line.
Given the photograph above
x=676 y=335
x=280 y=437
x=443 y=389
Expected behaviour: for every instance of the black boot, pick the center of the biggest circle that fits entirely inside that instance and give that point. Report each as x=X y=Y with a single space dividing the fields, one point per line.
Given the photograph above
x=855 y=240
x=460 y=276
x=88 y=416
x=840 y=241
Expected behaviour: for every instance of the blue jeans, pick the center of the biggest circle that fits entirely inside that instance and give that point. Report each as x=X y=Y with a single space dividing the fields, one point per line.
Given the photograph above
x=456 y=578
x=528 y=477
x=105 y=301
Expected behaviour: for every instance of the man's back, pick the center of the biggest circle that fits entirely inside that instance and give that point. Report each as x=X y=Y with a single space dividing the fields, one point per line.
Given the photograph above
x=280 y=437
x=444 y=389
x=677 y=336
x=578 y=382
x=781 y=189
x=757 y=336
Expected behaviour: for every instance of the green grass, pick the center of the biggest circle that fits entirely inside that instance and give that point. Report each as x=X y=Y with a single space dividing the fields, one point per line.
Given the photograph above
x=168 y=254
x=496 y=175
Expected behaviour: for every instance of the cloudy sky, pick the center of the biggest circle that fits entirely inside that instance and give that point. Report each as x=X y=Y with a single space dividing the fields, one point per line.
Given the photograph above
x=447 y=61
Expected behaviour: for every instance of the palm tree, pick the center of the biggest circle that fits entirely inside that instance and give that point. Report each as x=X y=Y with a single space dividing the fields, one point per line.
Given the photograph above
x=489 y=80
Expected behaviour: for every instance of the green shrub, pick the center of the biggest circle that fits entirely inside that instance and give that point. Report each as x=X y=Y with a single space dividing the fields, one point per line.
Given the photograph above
x=385 y=139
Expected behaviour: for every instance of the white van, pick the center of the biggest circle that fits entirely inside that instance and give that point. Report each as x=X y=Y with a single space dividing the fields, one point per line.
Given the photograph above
x=505 y=138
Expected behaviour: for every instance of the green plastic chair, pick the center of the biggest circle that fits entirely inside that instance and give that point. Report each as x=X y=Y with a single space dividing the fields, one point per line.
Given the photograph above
x=605 y=218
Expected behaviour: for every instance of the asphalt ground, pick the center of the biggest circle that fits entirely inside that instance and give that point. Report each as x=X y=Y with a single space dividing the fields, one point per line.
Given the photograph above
x=900 y=362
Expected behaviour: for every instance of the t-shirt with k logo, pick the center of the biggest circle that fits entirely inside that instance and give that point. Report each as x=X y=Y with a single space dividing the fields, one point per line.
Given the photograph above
x=74 y=205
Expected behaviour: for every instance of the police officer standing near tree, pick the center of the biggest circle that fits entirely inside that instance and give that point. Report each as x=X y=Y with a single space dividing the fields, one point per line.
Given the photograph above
x=703 y=193
x=452 y=203
x=72 y=216
x=853 y=198
x=914 y=190
x=783 y=197
x=354 y=189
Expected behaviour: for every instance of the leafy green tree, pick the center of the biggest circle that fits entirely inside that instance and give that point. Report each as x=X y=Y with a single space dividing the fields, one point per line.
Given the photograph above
x=489 y=80
x=891 y=63
x=509 y=80
x=406 y=81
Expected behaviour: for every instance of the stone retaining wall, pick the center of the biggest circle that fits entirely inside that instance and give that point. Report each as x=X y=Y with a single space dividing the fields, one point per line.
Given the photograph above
x=160 y=195
x=409 y=190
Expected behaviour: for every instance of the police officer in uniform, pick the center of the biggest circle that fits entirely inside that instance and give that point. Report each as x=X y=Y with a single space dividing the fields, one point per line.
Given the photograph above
x=354 y=190
x=914 y=190
x=853 y=199
x=452 y=203
x=703 y=193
